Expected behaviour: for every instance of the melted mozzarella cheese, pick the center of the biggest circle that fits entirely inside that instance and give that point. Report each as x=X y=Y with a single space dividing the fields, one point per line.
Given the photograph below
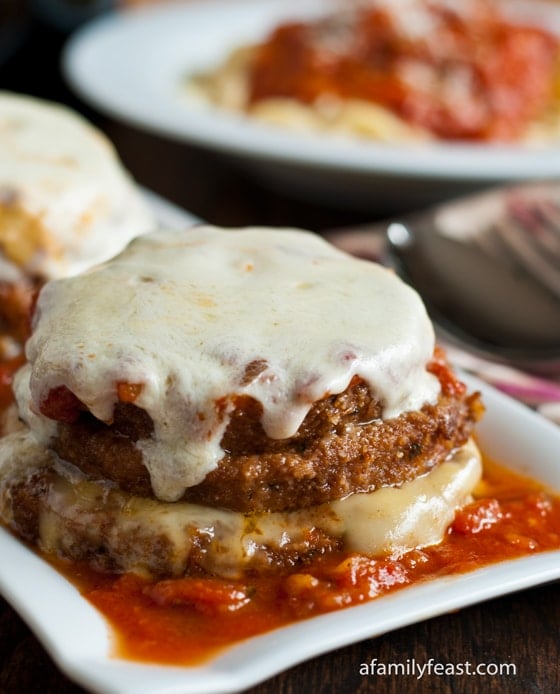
x=66 y=202
x=76 y=516
x=188 y=315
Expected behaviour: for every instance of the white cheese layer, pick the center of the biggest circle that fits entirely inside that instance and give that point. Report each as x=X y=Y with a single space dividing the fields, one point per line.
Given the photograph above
x=78 y=516
x=198 y=317
x=66 y=202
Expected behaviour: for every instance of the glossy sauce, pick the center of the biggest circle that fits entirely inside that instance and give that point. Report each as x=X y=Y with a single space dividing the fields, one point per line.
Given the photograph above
x=187 y=621
x=8 y=367
x=457 y=73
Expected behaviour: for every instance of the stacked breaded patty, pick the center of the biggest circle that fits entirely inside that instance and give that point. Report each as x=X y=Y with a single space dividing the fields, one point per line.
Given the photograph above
x=224 y=400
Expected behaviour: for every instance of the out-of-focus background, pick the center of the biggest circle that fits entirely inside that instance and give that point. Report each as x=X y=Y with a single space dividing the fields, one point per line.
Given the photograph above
x=210 y=185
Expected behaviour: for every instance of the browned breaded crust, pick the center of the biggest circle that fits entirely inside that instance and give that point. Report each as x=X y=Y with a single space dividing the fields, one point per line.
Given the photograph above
x=108 y=452
x=93 y=531
x=342 y=447
x=26 y=496
x=79 y=542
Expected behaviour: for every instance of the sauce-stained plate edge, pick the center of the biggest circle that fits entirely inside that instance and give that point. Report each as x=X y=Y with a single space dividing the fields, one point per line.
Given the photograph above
x=80 y=642
x=107 y=63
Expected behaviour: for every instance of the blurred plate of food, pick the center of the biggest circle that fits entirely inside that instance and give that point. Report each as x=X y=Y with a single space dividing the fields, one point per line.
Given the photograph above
x=388 y=104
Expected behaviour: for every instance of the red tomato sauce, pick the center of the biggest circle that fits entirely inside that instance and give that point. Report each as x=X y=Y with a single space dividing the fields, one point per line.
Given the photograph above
x=468 y=76
x=8 y=367
x=188 y=620
x=16 y=301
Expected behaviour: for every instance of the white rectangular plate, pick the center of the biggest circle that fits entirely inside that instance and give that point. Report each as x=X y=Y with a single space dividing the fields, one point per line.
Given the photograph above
x=79 y=640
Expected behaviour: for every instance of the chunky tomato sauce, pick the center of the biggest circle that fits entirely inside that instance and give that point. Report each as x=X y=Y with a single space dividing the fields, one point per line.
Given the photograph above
x=188 y=620
x=464 y=75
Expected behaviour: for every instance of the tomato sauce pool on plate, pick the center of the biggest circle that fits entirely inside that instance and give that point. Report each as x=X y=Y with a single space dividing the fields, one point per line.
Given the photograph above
x=189 y=620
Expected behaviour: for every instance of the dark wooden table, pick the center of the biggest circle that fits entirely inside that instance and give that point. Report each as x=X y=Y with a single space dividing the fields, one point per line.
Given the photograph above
x=522 y=629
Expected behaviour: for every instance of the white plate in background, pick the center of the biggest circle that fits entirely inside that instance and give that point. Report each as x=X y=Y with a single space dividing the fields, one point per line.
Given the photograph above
x=132 y=65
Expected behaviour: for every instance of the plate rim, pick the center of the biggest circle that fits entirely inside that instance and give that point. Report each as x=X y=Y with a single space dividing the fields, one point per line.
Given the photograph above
x=235 y=135
x=254 y=660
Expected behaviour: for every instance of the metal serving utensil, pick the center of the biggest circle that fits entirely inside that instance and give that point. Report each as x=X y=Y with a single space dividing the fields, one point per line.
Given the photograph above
x=488 y=269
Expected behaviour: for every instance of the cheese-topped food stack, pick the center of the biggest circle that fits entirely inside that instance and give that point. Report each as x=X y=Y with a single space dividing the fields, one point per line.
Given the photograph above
x=66 y=203
x=234 y=399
